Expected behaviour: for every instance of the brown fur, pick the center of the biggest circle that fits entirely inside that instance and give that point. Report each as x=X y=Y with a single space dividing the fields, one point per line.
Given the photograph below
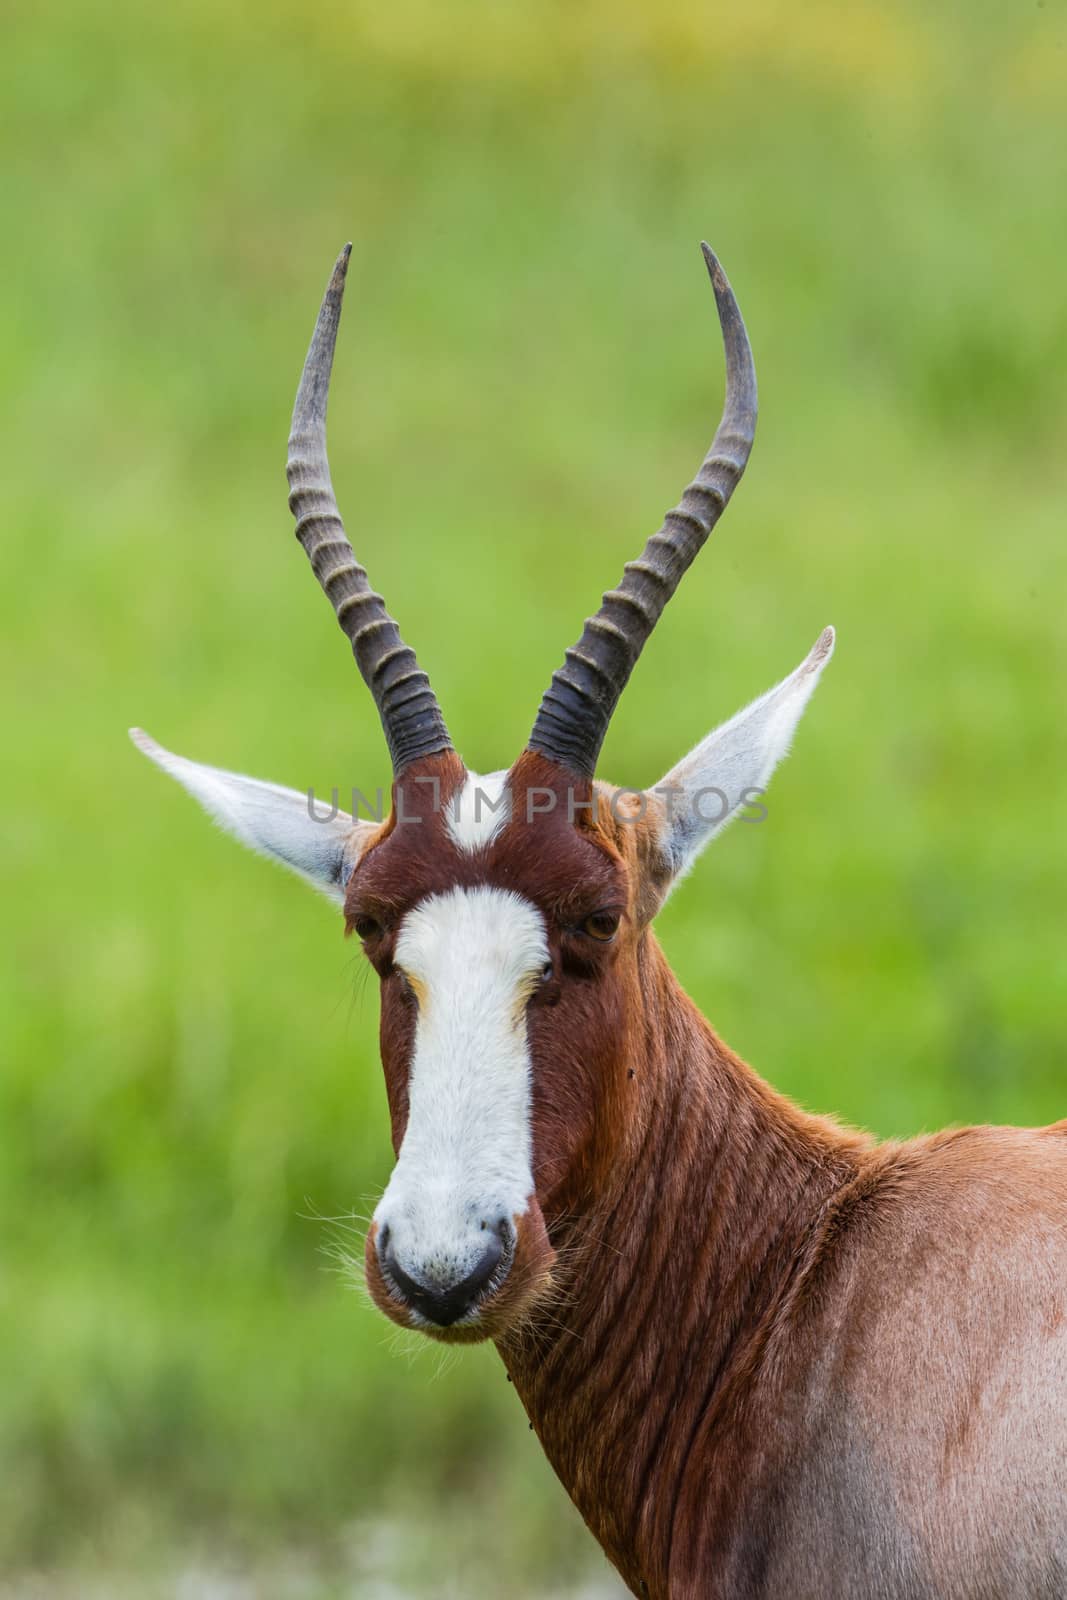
x=766 y=1356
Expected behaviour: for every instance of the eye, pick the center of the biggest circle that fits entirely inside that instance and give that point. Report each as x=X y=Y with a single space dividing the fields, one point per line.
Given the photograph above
x=548 y=972
x=602 y=926
x=366 y=928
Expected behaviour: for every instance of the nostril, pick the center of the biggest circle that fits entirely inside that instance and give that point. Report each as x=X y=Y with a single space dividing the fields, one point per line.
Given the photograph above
x=491 y=1258
x=504 y=1231
x=384 y=1235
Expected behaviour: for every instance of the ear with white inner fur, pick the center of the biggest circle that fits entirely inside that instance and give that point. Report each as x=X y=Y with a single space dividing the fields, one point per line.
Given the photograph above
x=729 y=770
x=276 y=822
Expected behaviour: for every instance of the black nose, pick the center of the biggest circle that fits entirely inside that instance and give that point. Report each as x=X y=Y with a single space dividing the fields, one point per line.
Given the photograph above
x=435 y=1298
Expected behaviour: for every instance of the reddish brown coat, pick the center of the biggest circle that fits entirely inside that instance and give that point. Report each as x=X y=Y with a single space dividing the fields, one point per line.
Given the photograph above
x=765 y=1355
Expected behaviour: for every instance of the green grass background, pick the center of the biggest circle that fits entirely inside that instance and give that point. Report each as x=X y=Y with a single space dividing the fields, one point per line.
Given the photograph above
x=529 y=371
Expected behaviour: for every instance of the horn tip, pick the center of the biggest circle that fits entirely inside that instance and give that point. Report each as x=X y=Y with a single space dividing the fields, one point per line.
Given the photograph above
x=714 y=266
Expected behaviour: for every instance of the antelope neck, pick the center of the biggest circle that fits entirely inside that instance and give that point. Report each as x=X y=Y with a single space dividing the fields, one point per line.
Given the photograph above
x=671 y=1276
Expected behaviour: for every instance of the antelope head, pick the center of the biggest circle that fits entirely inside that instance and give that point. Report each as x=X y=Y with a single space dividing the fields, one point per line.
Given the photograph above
x=507 y=916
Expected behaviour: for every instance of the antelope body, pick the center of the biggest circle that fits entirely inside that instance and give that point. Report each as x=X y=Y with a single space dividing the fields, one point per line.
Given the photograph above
x=767 y=1356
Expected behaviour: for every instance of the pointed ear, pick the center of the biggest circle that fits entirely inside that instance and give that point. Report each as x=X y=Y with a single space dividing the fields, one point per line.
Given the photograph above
x=729 y=770
x=277 y=822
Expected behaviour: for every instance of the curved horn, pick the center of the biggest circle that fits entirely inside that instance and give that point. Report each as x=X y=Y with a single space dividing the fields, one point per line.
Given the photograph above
x=579 y=702
x=406 y=704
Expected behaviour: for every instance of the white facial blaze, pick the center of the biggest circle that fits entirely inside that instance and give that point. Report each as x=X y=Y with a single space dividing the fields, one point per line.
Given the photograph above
x=473 y=957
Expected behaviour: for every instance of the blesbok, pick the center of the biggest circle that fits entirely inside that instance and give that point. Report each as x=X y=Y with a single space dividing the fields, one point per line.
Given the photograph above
x=767 y=1356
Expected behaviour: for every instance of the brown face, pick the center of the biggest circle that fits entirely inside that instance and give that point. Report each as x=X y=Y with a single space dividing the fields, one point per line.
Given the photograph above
x=506 y=943
x=507 y=918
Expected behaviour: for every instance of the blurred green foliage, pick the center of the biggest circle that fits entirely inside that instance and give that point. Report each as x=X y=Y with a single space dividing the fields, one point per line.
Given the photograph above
x=529 y=371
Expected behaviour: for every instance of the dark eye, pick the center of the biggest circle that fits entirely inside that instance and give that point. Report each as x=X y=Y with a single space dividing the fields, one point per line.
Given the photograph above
x=548 y=972
x=366 y=928
x=602 y=926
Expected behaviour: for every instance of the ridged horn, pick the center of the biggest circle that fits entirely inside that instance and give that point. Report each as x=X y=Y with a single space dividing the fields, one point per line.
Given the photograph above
x=578 y=704
x=406 y=703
